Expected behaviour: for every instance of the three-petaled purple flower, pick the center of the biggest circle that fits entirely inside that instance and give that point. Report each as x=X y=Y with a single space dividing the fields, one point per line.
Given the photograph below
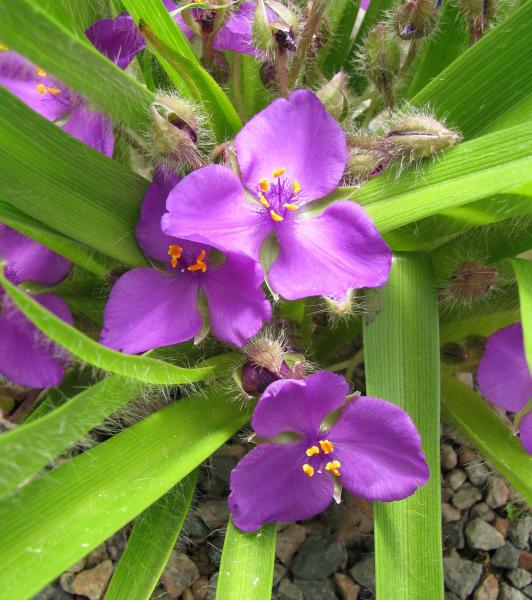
x=149 y=308
x=373 y=450
x=27 y=357
x=504 y=377
x=117 y=39
x=290 y=154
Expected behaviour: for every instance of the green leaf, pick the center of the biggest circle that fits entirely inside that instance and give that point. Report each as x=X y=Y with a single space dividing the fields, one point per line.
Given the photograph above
x=150 y=544
x=471 y=415
x=523 y=272
x=332 y=58
x=140 y=368
x=246 y=570
x=401 y=357
x=27 y=449
x=456 y=330
x=57 y=519
x=74 y=15
x=51 y=177
x=29 y=30
x=487 y=80
x=247 y=90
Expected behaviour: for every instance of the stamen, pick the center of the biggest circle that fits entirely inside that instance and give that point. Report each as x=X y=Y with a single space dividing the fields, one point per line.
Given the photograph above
x=333 y=467
x=174 y=251
x=263 y=201
x=41 y=88
x=291 y=207
x=53 y=91
x=326 y=446
x=308 y=470
x=312 y=451
x=275 y=216
x=40 y=72
x=296 y=187
x=279 y=172
x=264 y=185
x=200 y=264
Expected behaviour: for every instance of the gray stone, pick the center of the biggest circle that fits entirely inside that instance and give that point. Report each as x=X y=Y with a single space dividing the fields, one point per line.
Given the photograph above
x=482 y=535
x=466 y=496
x=213 y=582
x=318 y=589
x=519 y=532
x=519 y=578
x=451 y=596
x=92 y=583
x=455 y=479
x=97 y=556
x=527 y=591
x=453 y=535
x=482 y=511
x=288 y=542
x=498 y=493
x=449 y=513
x=477 y=473
x=179 y=574
x=278 y=573
x=346 y=586
x=289 y=591
x=195 y=528
x=488 y=589
x=52 y=592
x=506 y=557
x=461 y=576
x=214 y=513
x=317 y=558
x=508 y=592
x=448 y=457
x=363 y=572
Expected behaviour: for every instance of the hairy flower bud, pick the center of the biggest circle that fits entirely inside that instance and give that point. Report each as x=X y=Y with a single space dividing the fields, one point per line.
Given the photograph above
x=415 y=19
x=471 y=281
x=335 y=96
x=418 y=136
x=478 y=14
x=362 y=163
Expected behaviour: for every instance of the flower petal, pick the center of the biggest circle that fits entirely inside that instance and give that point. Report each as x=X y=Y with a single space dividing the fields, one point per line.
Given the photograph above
x=151 y=239
x=28 y=260
x=208 y=206
x=330 y=254
x=268 y=485
x=299 y=406
x=148 y=309
x=299 y=135
x=503 y=374
x=236 y=32
x=91 y=128
x=118 y=39
x=525 y=432
x=379 y=449
x=27 y=357
x=237 y=304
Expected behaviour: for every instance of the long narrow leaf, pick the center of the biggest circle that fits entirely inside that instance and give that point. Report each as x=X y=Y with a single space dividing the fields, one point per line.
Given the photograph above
x=523 y=272
x=401 y=354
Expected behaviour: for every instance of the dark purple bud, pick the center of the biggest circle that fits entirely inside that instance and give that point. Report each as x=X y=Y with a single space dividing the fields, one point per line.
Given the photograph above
x=285 y=40
x=415 y=19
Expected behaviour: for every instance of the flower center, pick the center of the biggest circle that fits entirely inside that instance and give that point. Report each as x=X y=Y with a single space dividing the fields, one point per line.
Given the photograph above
x=279 y=197
x=43 y=89
x=319 y=463
x=182 y=262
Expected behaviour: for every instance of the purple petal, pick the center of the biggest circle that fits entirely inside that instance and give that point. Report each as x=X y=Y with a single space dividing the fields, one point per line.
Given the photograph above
x=379 y=449
x=299 y=406
x=148 y=309
x=268 y=485
x=208 y=206
x=328 y=255
x=525 y=432
x=91 y=128
x=237 y=304
x=27 y=357
x=299 y=135
x=183 y=26
x=118 y=39
x=23 y=80
x=503 y=374
x=151 y=239
x=28 y=260
x=236 y=33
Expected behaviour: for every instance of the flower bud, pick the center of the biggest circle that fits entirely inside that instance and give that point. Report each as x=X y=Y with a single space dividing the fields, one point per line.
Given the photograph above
x=175 y=133
x=415 y=19
x=471 y=281
x=362 y=163
x=335 y=96
x=262 y=33
x=453 y=353
x=418 y=136
x=381 y=55
x=478 y=14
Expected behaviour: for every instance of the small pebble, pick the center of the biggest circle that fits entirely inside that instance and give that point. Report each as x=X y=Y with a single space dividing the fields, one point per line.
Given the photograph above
x=525 y=560
x=93 y=582
x=519 y=532
x=448 y=457
x=477 y=473
x=461 y=576
x=466 y=496
x=346 y=586
x=498 y=493
x=453 y=535
x=519 y=578
x=482 y=511
x=502 y=526
x=200 y=588
x=319 y=589
x=317 y=558
x=510 y=593
x=449 y=513
x=506 y=557
x=488 y=589
x=482 y=536
x=214 y=513
x=289 y=591
x=455 y=478
x=527 y=591
x=288 y=542
x=180 y=573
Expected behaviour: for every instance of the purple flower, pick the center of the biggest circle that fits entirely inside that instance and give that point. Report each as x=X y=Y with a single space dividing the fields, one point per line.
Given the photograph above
x=504 y=377
x=27 y=357
x=149 y=308
x=119 y=40
x=373 y=450
x=290 y=154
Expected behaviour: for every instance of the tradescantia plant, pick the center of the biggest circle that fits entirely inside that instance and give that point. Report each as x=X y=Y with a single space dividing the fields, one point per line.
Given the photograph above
x=255 y=198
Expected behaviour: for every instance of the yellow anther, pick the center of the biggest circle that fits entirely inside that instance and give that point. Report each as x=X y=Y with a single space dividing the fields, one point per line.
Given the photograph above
x=263 y=201
x=312 y=451
x=296 y=187
x=275 y=216
x=3 y=48
x=264 y=185
x=279 y=172
x=308 y=470
x=326 y=446
x=53 y=91
x=40 y=72
x=291 y=206
x=200 y=264
x=41 y=88
x=333 y=467
x=174 y=251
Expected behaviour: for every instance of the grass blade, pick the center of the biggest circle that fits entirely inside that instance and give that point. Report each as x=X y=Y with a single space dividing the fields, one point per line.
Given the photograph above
x=336 y=52
x=401 y=353
x=523 y=272
x=246 y=570
x=151 y=541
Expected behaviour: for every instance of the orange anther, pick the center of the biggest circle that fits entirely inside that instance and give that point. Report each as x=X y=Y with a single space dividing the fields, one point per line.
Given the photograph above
x=200 y=264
